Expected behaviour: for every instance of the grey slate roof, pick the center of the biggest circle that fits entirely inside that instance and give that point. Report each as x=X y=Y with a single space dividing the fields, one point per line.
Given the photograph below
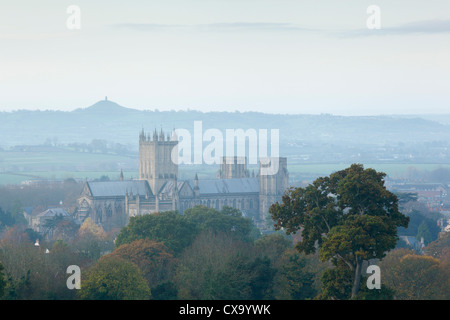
x=226 y=186
x=119 y=188
x=169 y=186
x=53 y=212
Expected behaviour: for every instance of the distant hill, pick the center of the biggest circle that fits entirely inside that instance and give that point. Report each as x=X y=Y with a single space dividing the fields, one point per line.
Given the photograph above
x=105 y=107
x=112 y=122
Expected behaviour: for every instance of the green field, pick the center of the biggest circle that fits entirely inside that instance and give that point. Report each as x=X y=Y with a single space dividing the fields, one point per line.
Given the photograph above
x=394 y=170
x=18 y=178
x=17 y=167
x=22 y=161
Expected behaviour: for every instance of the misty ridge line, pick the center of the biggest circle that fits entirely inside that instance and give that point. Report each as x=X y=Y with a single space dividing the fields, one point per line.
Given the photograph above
x=108 y=105
x=108 y=120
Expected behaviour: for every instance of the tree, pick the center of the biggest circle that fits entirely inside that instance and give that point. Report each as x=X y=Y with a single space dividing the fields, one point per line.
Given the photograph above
x=220 y=266
x=336 y=283
x=103 y=178
x=60 y=227
x=2 y=281
x=33 y=235
x=99 y=145
x=113 y=278
x=169 y=227
x=294 y=280
x=32 y=271
x=57 y=260
x=228 y=220
x=165 y=291
x=17 y=213
x=418 y=216
x=405 y=197
x=52 y=223
x=6 y=219
x=90 y=227
x=349 y=216
x=439 y=247
x=272 y=245
x=153 y=258
x=201 y=274
x=261 y=284
x=424 y=232
x=21 y=261
x=91 y=240
x=358 y=239
x=415 y=277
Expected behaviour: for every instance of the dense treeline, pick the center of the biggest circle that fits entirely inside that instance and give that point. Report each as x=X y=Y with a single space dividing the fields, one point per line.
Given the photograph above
x=41 y=197
x=204 y=254
x=346 y=222
x=207 y=254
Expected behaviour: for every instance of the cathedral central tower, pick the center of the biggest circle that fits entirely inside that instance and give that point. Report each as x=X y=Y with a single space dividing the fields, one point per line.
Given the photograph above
x=155 y=159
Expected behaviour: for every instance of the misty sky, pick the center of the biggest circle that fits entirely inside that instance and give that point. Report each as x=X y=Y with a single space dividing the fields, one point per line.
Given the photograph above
x=277 y=56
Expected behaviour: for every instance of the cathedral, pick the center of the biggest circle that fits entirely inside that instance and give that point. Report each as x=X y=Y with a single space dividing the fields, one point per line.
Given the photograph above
x=111 y=203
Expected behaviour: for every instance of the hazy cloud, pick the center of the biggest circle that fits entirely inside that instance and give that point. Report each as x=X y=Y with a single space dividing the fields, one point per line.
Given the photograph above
x=429 y=26
x=416 y=27
x=232 y=26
